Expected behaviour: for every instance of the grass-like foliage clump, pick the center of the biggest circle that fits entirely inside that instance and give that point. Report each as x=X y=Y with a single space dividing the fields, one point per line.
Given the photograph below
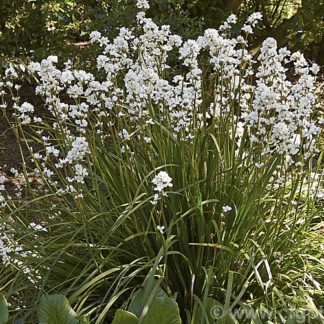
x=182 y=166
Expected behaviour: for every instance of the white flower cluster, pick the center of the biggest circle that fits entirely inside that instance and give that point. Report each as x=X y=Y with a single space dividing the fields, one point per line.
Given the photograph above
x=142 y=4
x=161 y=181
x=5 y=245
x=9 y=249
x=78 y=150
x=280 y=117
x=80 y=173
x=137 y=87
x=251 y=22
x=23 y=111
x=2 y=191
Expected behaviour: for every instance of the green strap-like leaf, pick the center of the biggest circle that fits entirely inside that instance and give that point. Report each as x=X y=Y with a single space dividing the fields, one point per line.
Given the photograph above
x=3 y=310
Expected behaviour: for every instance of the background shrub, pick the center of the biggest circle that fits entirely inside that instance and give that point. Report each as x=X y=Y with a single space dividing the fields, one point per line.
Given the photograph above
x=46 y=27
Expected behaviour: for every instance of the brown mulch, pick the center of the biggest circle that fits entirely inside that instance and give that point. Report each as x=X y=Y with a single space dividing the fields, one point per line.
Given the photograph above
x=10 y=155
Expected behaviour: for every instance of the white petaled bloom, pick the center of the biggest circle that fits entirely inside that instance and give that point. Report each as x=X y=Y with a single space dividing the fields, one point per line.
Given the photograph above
x=95 y=36
x=37 y=227
x=160 y=228
x=15 y=172
x=147 y=139
x=161 y=181
x=5 y=249
x=254 y=18
x=26 y=107
x=227 y=25
x=23 y=110
x=248 y=29
x=80 y=173
x=124 y=134
x=11 y=72
x=79 y=149
x=3 y=179
x=142 y=4
x=226 y=209
x=281 y=110
x=314 y=68
x=274 y=114
x=52 y=59
x=156 y=198
x=232 y=19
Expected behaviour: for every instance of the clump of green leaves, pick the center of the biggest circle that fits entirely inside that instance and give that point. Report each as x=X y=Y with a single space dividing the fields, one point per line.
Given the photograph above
x=198 y=182
x=54 y=309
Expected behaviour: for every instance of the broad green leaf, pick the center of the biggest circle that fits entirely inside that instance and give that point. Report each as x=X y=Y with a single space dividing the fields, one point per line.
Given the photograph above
x=18 y=321
x=55 y=309
x=163 y=310
x=295 y=318
x=213 y=312
x=137 y=304
x=208 y=312
x=124 y=317
x=292 y=320
x=227 y=319
x=3 y=310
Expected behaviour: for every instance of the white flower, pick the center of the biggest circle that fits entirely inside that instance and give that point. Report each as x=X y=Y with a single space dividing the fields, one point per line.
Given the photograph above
x=160 y=228
x=142 y=4
x=162 y=181
x=147 y=139
x=124 y=134
x=248 y=29
x=37 y=227
x=22 y=110
x=232 y=19
x=314 y=68
x=52 y=59
x=25 y=108
x=79 y=149
x=80 y=173
x=95 y=36
x=226 y=209
x=254 y=18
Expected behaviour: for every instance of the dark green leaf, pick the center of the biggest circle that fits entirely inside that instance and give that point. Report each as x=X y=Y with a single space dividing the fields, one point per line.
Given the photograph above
x=124 y=317
x=137 y=303
x=227 y=319
x=210 y=311
x=295 y=318
x=163 y=310
x=55 y=309
x=18 y=321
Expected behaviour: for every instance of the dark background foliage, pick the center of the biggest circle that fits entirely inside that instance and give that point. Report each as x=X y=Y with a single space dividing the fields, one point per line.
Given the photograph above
x=37 y=28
